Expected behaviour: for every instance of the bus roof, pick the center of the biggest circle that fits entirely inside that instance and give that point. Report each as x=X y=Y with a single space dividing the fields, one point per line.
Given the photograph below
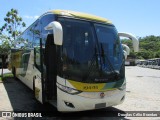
x=81 y=15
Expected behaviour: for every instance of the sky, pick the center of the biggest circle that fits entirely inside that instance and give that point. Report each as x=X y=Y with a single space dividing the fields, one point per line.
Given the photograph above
x=139 y=17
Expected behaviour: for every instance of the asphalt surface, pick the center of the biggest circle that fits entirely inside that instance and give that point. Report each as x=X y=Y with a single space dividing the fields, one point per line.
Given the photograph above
x=143 y=90
x=142 y=94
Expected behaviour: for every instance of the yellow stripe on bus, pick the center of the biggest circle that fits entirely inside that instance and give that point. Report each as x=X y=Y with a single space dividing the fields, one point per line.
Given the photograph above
x=89 y=87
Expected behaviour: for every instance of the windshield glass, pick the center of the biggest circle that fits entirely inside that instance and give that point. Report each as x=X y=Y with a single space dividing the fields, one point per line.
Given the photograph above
x=86 y=58
x=109 y=45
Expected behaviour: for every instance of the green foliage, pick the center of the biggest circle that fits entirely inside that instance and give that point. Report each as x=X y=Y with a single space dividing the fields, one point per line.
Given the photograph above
x=4 y=50
x=149 y=47
x=9 y=32
x=7 y=75
x=13 y=24
x=5 y=45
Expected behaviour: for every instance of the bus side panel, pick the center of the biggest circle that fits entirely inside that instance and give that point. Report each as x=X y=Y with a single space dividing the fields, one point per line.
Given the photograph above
x=15 y=59
x=33 y=78
x=27 y=72
x=24 y=68
x=30 y=73
x=38 y=87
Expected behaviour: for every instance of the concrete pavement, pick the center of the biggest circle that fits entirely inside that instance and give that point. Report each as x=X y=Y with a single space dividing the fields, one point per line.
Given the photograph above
x=142 y=94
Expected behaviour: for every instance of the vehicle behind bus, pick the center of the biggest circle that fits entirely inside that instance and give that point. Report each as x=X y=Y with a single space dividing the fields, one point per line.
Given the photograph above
x=130 y=61
x=150 y=63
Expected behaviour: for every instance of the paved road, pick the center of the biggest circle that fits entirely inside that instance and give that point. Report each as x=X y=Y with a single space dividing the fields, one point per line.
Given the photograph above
x=143 y=94
x=143 y=90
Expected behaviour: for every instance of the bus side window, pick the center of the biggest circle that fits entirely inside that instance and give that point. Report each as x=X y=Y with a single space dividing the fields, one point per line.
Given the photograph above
x=37 y=58
x=44 y=21
x=36 y=34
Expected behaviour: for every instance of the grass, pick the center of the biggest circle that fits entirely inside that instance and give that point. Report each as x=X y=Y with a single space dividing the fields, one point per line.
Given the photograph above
x=7 y=75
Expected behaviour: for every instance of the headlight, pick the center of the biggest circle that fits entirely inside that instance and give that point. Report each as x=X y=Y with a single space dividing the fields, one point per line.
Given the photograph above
x=68 y=89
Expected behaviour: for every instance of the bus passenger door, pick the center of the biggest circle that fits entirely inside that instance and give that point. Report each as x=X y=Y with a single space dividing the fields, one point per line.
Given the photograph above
x=37 y=80
x=25 y=60
x=51 y=68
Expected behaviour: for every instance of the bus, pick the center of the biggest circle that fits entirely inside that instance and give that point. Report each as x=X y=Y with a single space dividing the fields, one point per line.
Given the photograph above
x=72 y=60
x=156 y=63
x=131 y=60
x=153 y=63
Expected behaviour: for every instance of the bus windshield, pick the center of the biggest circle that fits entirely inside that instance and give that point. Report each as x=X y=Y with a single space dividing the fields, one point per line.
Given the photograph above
x=91 y=52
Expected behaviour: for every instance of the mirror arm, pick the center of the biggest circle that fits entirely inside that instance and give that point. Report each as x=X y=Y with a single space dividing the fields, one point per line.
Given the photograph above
x=133 y=38
x=127 y=49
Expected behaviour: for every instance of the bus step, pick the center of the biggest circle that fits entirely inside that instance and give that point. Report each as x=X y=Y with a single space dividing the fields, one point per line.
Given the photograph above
x=53 y=102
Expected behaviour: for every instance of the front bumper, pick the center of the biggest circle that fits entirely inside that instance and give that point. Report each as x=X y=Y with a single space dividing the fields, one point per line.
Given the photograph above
x=88 y=100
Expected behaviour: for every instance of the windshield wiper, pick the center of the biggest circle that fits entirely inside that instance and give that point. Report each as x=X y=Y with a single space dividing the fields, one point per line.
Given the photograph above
x=100 y=59
x=92 y=68
x=105 y=58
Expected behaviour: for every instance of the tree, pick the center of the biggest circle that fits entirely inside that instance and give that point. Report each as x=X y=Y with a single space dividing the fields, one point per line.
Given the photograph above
x=4 y=50
x=157 y=54
x=13 y=24
x=9 y=32
x=149 y=47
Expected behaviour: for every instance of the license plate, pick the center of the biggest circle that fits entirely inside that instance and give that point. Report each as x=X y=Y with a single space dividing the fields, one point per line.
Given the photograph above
x=100 y=105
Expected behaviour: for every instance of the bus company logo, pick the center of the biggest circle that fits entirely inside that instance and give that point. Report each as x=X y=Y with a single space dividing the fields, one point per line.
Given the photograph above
x=6 y=114
x=13 y=114
x=102 y=95
x=101 y=80
x=90 y=87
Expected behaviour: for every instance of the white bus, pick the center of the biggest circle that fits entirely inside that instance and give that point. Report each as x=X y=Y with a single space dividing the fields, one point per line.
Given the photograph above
x=156 y=63
x=72 y=60
x=141 y=63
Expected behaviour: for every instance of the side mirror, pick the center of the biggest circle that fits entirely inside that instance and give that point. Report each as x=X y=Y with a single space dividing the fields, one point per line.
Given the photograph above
x=127 y=49
x=57 y=32
x=133 y=38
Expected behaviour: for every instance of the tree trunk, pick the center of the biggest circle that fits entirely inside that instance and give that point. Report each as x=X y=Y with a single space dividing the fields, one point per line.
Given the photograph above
x=3 y=62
